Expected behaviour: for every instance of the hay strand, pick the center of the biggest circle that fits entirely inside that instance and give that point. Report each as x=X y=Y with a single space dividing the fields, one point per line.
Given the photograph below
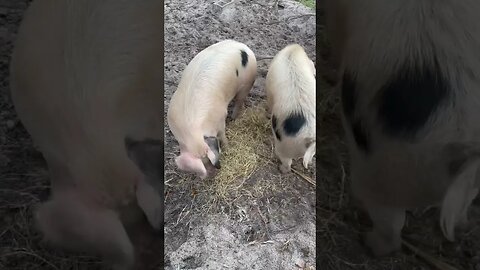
x=304 y=177
x=429 y=259
x=248 y=140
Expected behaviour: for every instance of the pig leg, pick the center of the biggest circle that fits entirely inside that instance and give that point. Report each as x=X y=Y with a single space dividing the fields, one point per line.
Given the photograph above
x=269 y=106
x=222 y=135
x=239 y=105
x=240 y=100
x=67 y=222
x=223 y=139
x=388 y=222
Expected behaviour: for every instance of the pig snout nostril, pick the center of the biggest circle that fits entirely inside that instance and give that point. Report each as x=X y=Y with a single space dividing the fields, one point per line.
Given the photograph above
x=217 y=165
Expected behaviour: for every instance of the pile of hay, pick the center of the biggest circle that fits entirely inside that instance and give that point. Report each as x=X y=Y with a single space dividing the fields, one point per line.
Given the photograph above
x=249 y=148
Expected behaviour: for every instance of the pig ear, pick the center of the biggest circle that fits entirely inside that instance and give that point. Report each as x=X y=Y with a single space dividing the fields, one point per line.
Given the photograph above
x=187 y=162
x=147 y=154
x=310 y=152
x=213 y=152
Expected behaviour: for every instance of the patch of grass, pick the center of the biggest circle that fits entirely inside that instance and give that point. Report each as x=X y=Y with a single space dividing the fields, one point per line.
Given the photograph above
x=308 y=3
x=249 y=144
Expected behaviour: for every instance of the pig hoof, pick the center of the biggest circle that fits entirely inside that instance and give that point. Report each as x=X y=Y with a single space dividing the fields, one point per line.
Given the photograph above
x=381 y=246
x=284 y=169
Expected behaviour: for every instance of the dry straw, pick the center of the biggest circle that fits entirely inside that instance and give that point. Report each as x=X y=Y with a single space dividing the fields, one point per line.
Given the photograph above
x=249 y=143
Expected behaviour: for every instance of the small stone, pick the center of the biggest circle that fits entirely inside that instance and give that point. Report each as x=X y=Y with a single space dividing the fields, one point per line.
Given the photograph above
x=300 y=263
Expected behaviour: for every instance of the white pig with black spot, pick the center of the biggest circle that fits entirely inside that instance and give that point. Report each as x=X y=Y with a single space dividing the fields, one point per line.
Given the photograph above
x=410 y=97
x=290 y=87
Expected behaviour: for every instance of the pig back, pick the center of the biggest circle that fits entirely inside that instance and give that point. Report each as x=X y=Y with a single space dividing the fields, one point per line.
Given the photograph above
x=209 y=82
x=290 y=83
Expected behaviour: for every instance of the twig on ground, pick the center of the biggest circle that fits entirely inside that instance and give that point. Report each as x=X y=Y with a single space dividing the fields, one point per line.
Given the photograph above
x=263 y=57
x=264 y=221
x=300 y=16
x=429 y=259
x=292 y=18
x=224 y=5
x=342 y=190
x=306 y=178
x=180 y=217
x=30 y=253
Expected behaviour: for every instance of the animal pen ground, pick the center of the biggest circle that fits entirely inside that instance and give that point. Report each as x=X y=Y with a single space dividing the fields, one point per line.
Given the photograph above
x=340 y=221
x=265 y=220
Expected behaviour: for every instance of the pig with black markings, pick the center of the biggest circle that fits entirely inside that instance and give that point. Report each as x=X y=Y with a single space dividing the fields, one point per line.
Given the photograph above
x=198 y=109
x=410 y=92
x=290 y=87
x=86 y=84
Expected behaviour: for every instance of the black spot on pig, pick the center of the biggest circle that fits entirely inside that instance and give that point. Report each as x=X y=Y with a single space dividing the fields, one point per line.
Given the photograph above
x=293 y=123
x=237 y=72
x=274 y=122
x=410 y=98
x=244 y=58
x=274 y=127
x=349 y=100
x=277 y=134
x=348 y=95
x=361 y=137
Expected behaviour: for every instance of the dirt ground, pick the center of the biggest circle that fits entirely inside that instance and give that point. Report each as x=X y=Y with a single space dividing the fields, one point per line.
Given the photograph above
x=340 y=223
x=270 y=223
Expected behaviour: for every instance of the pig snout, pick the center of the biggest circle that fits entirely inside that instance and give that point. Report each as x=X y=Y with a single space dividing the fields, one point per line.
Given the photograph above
x=189 y=163
x=201 y=166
